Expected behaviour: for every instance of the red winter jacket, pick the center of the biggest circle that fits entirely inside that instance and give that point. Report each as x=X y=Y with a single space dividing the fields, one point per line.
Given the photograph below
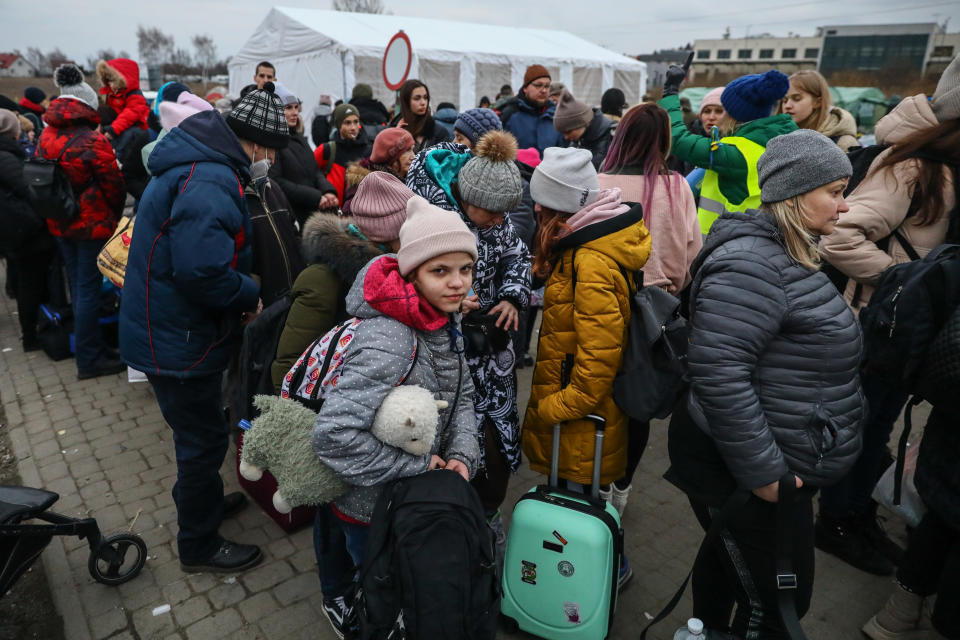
x=120 y=78
x=90 y=165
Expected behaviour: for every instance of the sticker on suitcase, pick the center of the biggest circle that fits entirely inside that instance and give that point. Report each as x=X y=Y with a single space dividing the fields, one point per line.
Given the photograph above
x=529 y=572
x=572 y=611
x=566 y=569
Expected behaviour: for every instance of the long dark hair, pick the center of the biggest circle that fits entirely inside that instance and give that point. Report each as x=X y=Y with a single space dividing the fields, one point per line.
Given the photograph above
x=935 y=146
x=642 y=140
x=415 y=124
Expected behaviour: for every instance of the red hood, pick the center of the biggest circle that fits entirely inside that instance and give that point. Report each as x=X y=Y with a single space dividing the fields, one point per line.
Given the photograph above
x=385 y=290
x=66 y=112
x=130 y=71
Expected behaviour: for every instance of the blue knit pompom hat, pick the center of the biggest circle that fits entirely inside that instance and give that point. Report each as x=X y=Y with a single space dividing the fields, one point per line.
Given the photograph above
x=473 y=123
x=754 y=96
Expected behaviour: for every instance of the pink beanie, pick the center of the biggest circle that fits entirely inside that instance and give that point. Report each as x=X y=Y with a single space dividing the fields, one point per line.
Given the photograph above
x=379 y=207
x=712 y=98
x=430 y=231
x=187 y=104
x=529 y=156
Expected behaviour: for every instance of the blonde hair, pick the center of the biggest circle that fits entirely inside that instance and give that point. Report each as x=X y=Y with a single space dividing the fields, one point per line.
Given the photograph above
x=800 y=243
x=813 y=83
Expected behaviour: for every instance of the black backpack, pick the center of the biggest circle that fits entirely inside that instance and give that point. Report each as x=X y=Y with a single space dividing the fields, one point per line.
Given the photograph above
x=429 y=569
x=49 y=190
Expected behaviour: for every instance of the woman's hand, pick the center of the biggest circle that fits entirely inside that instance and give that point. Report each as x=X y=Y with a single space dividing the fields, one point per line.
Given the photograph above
x=459 y=467
x=436 y=462
x=509 y=315
x=328 y=201
x=771 y=492
x=470 y=303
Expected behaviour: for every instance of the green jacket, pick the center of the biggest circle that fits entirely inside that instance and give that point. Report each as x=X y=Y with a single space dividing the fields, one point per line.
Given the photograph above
x=726 y=160
x=335 y=254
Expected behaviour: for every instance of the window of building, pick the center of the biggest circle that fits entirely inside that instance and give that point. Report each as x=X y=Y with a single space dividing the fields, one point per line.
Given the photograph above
x=703 y=54
x=766 y=54
x=811 y=52
x=943 y=52
x=744 y=54
x=723 y=54
x=788 y=53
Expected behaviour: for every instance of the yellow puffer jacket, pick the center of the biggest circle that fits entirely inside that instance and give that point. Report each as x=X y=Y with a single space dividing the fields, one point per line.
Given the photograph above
x=581 y=342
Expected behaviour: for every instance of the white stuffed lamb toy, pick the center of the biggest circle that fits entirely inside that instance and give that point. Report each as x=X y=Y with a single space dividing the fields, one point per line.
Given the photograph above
x=279 y=440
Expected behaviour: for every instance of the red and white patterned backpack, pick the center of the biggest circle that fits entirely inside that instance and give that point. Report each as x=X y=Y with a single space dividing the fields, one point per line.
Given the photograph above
x=318 y=369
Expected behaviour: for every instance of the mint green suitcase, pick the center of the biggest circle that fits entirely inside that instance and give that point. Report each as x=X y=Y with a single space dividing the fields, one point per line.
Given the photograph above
x=563 y=558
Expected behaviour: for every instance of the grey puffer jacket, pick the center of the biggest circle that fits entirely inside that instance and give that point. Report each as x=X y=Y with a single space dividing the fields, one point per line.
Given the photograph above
x=378 y=357
x=774 y=358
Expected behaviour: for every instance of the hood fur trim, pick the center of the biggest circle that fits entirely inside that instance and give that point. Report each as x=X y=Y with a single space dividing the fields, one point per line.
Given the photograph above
x=356 y=173
x=107 y=75
x=326 y=240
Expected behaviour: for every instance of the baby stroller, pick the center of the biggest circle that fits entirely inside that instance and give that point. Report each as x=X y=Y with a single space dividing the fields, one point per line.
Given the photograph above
x=20 y=544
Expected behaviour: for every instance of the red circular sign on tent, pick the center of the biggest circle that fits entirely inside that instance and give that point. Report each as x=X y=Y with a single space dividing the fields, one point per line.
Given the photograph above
x=396 y=60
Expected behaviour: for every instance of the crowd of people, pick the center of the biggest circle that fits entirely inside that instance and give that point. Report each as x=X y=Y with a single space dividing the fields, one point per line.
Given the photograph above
x=447 y=231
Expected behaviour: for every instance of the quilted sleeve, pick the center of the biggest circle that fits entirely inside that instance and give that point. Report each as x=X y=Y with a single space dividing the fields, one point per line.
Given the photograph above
x=134 y=111
x=599 y=325
x=342 y=440
x=738 y=309
x=107 y=175
x=463 y=442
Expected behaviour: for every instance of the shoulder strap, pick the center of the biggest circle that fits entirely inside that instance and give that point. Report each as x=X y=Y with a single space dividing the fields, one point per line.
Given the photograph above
x=717 y=524
x=902 y=448
x=787 y=581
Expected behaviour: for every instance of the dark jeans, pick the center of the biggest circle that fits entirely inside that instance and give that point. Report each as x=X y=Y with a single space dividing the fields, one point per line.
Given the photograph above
x=851 y=496
x=931 y=565
x=80 y=258
x=193 y=409
x=638 y=435
x=334 y=563
x=491 y=483
x=740 y=569
x=30 y=271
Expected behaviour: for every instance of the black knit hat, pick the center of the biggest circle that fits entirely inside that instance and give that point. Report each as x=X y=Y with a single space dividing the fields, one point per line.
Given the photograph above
x=259 y=118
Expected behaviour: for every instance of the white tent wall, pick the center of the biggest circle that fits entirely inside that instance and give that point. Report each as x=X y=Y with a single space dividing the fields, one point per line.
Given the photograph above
x=317 y=51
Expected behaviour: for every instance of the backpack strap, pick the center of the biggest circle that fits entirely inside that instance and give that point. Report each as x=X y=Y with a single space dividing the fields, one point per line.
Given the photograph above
x=787 y=581
x=69 y=142
x=902 y=448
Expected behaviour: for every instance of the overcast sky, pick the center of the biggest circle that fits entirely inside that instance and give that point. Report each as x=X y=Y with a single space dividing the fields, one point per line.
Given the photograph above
x=627 y=26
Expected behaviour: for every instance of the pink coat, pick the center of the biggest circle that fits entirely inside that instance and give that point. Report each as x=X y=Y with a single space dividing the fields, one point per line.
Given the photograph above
x=673 y=227
x=879 y=205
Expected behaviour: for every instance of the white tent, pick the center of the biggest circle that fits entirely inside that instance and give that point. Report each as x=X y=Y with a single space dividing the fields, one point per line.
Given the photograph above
x=317 y=52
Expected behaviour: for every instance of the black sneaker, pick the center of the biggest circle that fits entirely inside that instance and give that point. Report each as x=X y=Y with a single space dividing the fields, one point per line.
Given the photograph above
x=336 y=611
x=230 y=557
x=842 y=537
x=105 y=367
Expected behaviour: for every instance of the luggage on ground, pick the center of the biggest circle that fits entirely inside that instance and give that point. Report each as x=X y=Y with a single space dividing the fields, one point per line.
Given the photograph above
x=563 y=557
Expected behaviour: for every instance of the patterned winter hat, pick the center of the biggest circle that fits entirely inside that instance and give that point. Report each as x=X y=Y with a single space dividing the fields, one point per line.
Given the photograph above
x=473 y=123
x=259 y=118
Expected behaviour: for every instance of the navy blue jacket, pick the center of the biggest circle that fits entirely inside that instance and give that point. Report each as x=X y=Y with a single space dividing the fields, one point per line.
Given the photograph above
x=187 y=278
x=531 y=126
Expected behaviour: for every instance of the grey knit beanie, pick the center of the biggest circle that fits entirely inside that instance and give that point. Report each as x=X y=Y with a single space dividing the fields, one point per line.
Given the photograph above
x=490 y=180
x=565 y=181
x=70 y=80
x=946 y=99
x=571 y=113
x=799 y=162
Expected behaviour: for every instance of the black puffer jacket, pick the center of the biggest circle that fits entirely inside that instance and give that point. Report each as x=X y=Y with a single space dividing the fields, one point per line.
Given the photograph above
x=20 y=228
x=302 y=181
x=276 y=248
x=938 y=474
x=774 y=358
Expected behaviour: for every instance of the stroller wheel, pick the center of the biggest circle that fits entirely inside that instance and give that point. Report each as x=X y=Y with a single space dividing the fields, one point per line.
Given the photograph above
x=112 y=561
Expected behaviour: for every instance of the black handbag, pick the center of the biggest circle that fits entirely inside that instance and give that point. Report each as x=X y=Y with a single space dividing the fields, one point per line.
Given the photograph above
x=481 y=335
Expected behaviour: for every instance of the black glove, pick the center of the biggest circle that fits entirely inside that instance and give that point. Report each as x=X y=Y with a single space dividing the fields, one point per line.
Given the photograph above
x=675 y=77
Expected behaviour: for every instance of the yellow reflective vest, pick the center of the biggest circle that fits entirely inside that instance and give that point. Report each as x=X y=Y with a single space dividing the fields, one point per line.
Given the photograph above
x=713 y=203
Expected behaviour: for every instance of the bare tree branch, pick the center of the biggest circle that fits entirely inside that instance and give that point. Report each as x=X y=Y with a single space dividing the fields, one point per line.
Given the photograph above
x=359 y=6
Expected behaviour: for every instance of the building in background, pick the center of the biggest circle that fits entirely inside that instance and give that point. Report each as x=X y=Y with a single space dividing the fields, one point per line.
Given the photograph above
x=659 y=61
x=13 y=65
x=911 y=48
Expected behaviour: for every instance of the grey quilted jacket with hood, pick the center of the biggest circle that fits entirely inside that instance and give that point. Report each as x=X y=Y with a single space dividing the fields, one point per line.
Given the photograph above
x=378 y=357
x=774 y=358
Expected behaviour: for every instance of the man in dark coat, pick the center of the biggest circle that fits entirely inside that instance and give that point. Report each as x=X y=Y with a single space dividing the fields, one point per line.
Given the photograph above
x=186 y=292
x=529 y=116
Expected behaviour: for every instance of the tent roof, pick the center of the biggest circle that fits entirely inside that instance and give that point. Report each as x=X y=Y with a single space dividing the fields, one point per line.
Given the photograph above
x=302 y=30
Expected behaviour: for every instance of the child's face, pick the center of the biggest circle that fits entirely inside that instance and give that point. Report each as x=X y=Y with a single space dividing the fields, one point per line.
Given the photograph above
x=445 y=280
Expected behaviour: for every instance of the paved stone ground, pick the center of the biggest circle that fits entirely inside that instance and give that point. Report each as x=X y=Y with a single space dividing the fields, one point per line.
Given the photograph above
x=103 y=446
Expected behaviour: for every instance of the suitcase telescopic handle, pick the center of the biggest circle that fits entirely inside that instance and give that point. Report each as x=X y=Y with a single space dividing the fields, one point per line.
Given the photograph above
x=601 y=426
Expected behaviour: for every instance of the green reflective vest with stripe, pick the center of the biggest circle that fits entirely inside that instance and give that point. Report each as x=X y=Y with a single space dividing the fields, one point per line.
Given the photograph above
x=713 y=203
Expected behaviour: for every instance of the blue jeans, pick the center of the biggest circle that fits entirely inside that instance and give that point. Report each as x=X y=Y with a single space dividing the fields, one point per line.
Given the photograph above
x=193 y=409
x=851 y=496
x=80 y=258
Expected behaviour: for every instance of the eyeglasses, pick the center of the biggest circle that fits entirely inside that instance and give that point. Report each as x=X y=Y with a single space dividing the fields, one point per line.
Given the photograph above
x=540 y=86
